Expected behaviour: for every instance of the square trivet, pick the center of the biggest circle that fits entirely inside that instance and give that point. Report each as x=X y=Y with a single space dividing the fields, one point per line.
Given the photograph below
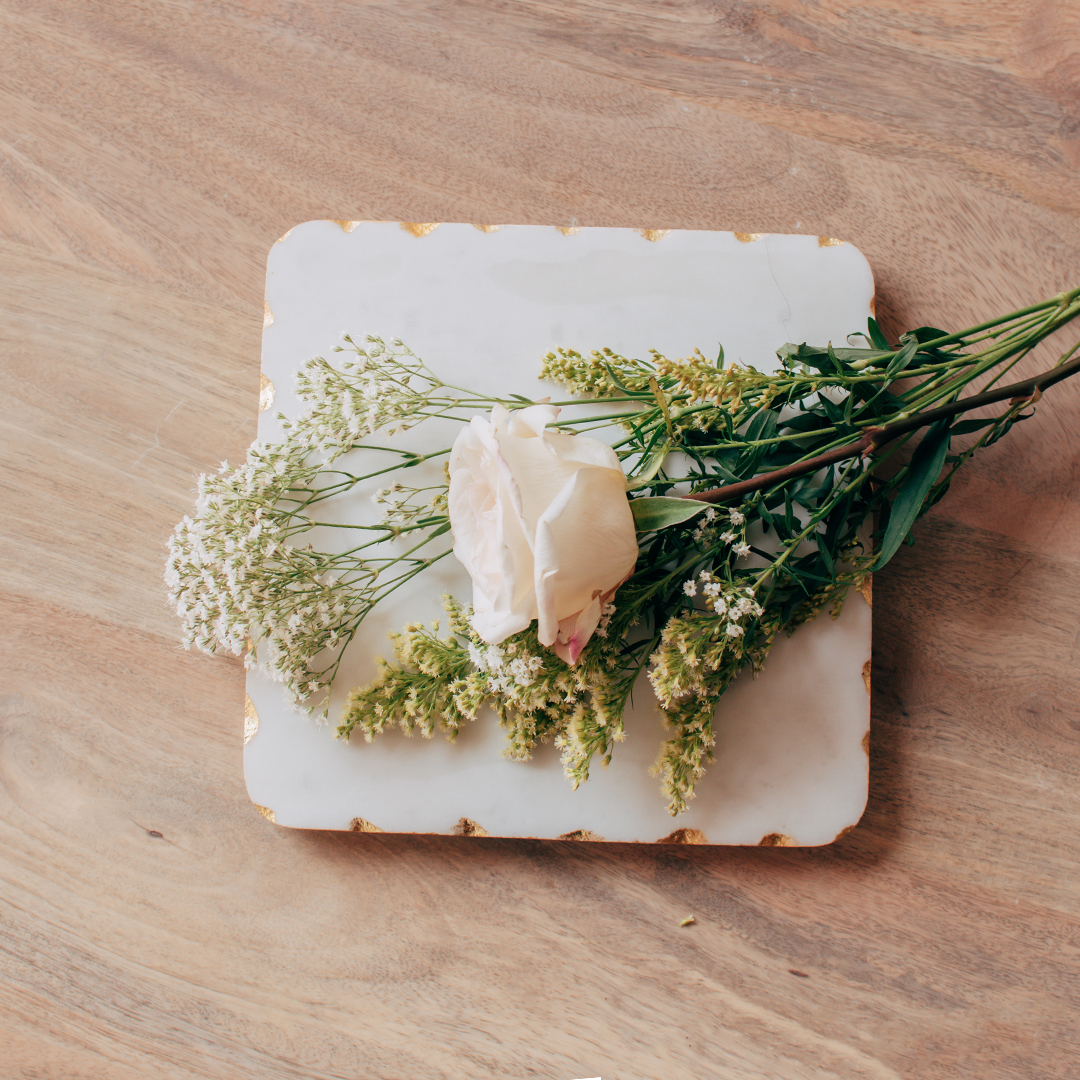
x=482 y=305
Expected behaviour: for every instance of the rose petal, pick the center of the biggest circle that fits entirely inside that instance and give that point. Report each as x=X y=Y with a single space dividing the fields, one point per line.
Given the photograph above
x=546 y=557
x=575 y=631
x=585 y=450
x=595 y=541
x=542 y=524
x=530 y=422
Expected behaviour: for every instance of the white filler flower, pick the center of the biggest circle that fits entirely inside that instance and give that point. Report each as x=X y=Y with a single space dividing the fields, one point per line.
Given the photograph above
x=542 y=523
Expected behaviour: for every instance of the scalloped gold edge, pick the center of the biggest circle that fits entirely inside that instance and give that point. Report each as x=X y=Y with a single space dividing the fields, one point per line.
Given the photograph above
x=359 y=824
x=684 y=836
x=251 y=720
x=867 y=590
x=266 y=393
x=420 y=228
x=776 y=839
x=468 y=827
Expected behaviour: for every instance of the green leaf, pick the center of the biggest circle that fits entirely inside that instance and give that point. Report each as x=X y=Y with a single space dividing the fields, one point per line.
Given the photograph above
x=807 y=421
x=1005 y=428
x=721 y=470
x=827 y=559
x=869 y=392
x=923 y=334
x=826 y=360
x=618 y=382
x=902 y=359
x=836 y=365
x=877 y=338
x=849 y=356
x=649 y=467
x=832 y=410
x=762 y=425
x=967 y=427
x=925 y=467
x=660 y=511
x=835 y=522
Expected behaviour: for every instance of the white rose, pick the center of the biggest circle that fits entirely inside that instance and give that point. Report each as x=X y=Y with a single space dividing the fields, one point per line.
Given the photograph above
x=542 y=523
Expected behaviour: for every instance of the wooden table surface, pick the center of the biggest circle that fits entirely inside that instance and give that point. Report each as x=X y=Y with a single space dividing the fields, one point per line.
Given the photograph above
x=153 y=924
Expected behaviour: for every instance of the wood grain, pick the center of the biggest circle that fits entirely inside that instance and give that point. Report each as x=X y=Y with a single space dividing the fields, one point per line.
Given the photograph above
x=153 y=923
x=991 y=90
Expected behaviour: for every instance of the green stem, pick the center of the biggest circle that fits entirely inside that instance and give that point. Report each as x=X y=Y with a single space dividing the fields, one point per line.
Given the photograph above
x=873 y=438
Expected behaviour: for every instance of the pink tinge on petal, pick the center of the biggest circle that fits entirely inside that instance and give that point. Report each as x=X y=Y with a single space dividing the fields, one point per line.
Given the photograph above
x=569 y=652
x=575 y=631
x=563 y=653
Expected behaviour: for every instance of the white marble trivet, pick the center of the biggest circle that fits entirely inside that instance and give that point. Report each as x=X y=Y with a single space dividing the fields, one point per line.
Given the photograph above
x=482 y=306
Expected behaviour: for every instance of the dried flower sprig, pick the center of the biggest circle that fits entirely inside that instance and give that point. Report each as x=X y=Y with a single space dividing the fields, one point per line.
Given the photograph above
x=442 y=682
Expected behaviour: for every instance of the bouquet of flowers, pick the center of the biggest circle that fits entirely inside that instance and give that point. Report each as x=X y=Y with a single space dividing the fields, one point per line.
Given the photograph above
x=670 y=517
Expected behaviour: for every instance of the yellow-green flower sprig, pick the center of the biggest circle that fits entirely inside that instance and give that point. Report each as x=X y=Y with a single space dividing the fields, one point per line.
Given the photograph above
x=440 y=683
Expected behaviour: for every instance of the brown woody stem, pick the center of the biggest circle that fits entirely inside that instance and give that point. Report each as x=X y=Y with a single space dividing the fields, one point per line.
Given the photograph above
x=876 y=437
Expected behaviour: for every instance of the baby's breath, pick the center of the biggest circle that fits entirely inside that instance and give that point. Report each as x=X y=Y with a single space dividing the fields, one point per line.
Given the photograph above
x=242 y=573
x=386 y=387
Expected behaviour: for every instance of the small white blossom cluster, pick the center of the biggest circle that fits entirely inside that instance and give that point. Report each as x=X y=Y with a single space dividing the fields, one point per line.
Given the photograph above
x=606 y=613
x=238 y=583
x=238 y=573
x=725 y=600
x=386 y=385
x=694 y=646
x=708 y=533
x=501 y=671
